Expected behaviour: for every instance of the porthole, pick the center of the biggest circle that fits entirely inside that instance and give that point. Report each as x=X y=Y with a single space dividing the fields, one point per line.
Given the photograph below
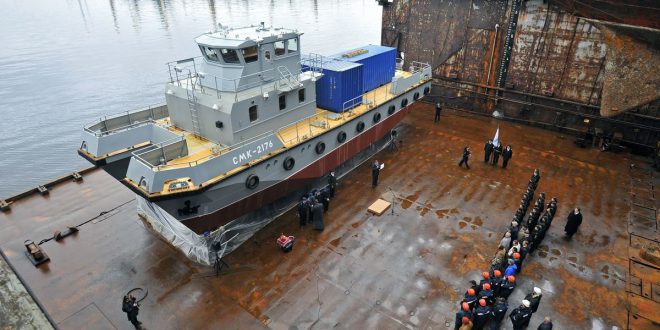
x=360 y=127
x=391 y=110
x=288 y=163
x=341 y=137
x=320 y=148
x=376 y=117
x=427 y=90
x=404 y=102
x=416 y=96
x=252 y=181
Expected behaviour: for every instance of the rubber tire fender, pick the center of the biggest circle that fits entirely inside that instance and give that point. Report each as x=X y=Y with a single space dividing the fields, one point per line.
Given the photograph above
x=252 y=181
x=320 y=147
x=288 y=163
x=376 y=117
x=341 y=137
x=360 y=127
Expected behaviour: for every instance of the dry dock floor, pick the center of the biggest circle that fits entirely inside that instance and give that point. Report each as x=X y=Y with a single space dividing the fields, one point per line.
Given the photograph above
x=401 y=270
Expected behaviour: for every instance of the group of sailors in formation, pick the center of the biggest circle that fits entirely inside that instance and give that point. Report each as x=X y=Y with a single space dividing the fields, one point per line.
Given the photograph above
x=485 y=304
x=314 y=204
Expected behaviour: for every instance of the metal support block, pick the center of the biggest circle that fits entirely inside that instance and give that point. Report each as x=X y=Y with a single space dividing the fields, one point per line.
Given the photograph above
x=76 y=176
x=4 y=205
x=42 y=190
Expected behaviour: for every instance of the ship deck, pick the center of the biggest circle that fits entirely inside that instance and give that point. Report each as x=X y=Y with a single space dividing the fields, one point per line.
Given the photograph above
x=201 y=150
x=401 y=270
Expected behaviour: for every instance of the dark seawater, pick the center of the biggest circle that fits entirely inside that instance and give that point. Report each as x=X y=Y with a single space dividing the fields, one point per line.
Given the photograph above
x=64 y=63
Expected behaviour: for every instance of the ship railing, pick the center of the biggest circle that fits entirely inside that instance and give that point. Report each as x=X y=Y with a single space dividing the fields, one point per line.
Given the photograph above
x=370 y=99
x=141 y=155
x=171 y=163
x=416 y=66
x=304 y=128
x=312 y=62
x=185 y=74
x=126 y=120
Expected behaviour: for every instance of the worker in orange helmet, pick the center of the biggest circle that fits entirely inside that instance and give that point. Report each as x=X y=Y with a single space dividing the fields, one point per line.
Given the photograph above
x=496 y=282
x=486 y=294
x=481 y=314
x=508 y=287
x=518 y=262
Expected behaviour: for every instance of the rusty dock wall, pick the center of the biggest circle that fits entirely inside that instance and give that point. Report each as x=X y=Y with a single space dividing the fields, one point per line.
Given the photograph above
x=563 y=65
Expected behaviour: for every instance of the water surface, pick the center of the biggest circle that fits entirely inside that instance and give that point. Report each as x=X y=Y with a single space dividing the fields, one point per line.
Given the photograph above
x=64 y=63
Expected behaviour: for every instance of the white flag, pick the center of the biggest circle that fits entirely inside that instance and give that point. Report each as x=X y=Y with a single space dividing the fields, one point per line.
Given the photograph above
x=496 y=140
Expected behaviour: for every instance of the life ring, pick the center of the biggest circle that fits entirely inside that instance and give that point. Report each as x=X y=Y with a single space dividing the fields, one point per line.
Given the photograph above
x=252 y=181
x=376 y=117
x=341 y=137
x=427 y=90
x=391 y=110
x=404 y=102
x=320 y=147
x=416 y=96
x=288 y=163
x=360 y=127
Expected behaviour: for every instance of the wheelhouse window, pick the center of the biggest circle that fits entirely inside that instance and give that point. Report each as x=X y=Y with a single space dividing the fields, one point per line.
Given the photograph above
x=210 y=53
x=229 y=56
x=292 y=45
x=301 y=95
x=253 y=113
x=282 y=102
x=250 y=54
x=279 y=48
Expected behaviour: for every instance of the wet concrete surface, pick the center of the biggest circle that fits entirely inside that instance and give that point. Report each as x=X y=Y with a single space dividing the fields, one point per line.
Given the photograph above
x=401 y=270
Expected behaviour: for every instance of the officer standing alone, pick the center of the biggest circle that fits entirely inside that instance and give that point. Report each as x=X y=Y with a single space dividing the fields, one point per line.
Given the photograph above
x=438 y=111
x=466 y=157
x=375 y=171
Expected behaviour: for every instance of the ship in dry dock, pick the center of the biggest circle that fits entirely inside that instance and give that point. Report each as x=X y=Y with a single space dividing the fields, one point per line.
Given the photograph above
x=247 y=129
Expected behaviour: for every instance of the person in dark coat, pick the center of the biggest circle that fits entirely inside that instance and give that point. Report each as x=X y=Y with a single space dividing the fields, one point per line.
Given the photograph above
x=488 y=150
x=131 y=308
x=317 y=211
x=465 y=311
x=497 y=151
x=438 y=111
x=332 y=183
x=310 y=204
x=375 y=171
x=534 y=299
x=506 y=156
x=302 y=212
x=507 y=287
x=546 y=325
x=325 y=198
x=573 y=222
x=498 y=312
x=466 y=157
x=481 y=315
x=521 y=315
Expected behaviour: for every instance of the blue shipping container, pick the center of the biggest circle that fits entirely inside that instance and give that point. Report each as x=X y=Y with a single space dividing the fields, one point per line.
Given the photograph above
x=379 y=64
x=340 y=86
